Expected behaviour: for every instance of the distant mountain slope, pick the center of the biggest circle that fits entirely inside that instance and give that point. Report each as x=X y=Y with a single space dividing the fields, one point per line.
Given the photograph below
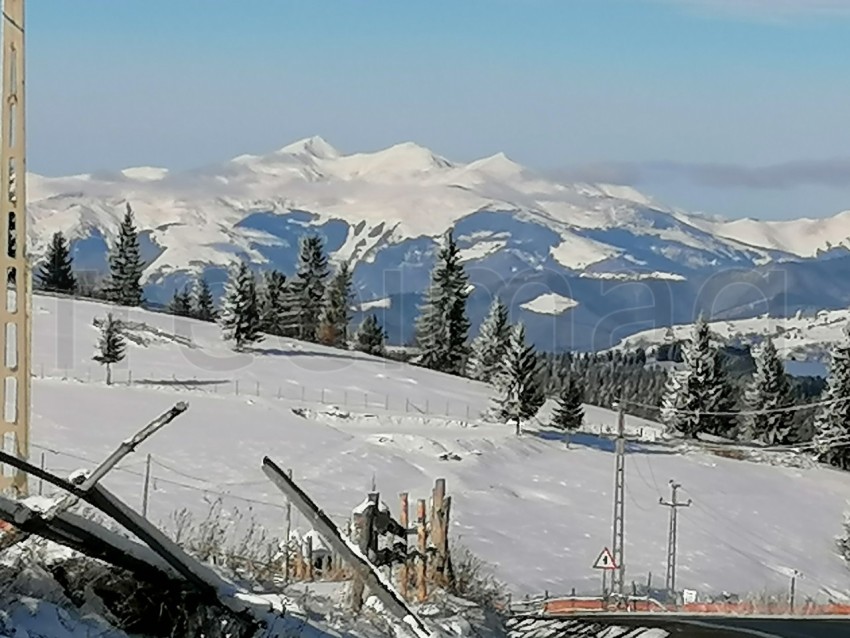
x=607 y=248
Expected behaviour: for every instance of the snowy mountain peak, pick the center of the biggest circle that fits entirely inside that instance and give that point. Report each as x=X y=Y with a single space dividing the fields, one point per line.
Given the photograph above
x=400 y=160
x=497 y=165
x=315 y=146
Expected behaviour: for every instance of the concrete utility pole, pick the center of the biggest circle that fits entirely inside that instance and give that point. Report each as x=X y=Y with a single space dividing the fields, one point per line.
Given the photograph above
x=15 y=284
x=617 y=546
x=672 y=533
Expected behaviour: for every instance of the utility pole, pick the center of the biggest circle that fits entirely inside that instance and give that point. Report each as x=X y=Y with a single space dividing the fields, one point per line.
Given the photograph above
x=672 y=533
x=15 y=284
x=617 y=546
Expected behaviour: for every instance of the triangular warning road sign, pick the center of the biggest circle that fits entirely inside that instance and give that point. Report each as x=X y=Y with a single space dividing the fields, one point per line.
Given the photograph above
x=605 y=560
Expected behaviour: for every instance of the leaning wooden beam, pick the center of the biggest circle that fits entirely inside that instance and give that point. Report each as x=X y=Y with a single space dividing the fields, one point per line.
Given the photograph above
x=206 y=581
x=320 y=521
x=69 y=500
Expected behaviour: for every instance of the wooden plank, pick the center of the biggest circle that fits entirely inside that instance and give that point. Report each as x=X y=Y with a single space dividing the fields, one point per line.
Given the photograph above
x=320 y=521
x=404 y=574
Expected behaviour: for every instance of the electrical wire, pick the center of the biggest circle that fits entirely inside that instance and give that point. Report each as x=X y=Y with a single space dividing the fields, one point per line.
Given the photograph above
x=791 y=408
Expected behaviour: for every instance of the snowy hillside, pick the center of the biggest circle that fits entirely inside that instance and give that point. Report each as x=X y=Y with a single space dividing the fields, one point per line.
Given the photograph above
x=539 y=513
x=801 y=338
x=522 y=235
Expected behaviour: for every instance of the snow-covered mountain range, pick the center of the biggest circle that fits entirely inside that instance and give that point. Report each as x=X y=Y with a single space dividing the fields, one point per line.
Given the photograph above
x=607 y=260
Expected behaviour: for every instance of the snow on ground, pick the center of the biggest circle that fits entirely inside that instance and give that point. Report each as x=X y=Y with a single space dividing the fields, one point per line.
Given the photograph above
x=539 y=513
x=800 y=338
x=550 y=303
x=633 y=276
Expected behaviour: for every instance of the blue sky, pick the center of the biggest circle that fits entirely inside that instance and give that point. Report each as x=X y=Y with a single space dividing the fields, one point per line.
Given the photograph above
x=738 y=107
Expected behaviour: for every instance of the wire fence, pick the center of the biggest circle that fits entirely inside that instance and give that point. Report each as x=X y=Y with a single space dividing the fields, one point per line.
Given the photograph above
x=290 y=391
x=162 y=477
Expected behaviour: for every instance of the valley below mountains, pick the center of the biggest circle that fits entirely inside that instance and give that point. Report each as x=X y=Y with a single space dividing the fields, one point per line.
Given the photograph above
x=582 y=265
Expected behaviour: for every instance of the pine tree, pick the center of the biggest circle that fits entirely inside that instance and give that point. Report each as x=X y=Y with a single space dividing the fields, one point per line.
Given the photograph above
x=371 y=337
x=240 y=320
x=832 y=424
x=125 y=265
x=273 y=302
x=488 y=348
x=569 y=411
x=442 y=327
x=520 y=395
x=181 y=302
x=56 y=273
x=697 y=392
x=203 y=303
x=111 y=347
x=337 y=312
x=768 y=392
x=305 y=293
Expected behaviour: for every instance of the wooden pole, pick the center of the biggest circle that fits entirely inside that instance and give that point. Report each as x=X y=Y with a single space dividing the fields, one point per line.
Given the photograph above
x=287 y=550
x=422 y=546
x=438 y=562
x=308 y=558
x=448 y=575
x=146 y=490
x=404 y=574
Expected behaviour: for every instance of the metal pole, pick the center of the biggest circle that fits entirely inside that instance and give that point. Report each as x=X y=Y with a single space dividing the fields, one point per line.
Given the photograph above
x=618 y=573
x=673 y=533
x=146 y=490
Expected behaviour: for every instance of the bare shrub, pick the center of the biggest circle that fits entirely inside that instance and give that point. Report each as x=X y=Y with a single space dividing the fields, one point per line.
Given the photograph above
x=230 y=539
x=473 y=580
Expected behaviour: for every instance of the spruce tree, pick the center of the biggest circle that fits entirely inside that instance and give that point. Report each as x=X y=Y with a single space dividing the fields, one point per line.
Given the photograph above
x=56 y=272
x=181 y=302
x=240 y=319
x=519 y=394
x=111 y=347
x=488 y=348
x=442 y=326
x=203 y=305
x=305 y=294
x=769 y=392
x=125 y=265
x=697 y=392
x=832 y=424
x=337 y=312
x=273 y=302
x=569 y=411
x=371 y=337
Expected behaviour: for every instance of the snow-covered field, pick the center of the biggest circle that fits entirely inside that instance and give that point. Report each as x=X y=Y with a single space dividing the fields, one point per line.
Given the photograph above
x=539 y=513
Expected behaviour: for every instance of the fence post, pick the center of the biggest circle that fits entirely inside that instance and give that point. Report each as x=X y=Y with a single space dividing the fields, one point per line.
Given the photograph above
x=406 y=404
x=365 y=399
x=258 y=388
x=145 y=490
x=236 y=382
x=427 y=406
x=41 y=480
x=422 y=547
x=278 y=392
x=345 y=397
x=404 y=574
x=467 y=412
x=323 y=395
x=303 y=394
x=130 y=377
x=387 y=402
x=287 y=551
x=308 y=558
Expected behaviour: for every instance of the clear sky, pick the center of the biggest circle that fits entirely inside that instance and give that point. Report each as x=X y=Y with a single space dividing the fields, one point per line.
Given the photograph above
x=739 y=107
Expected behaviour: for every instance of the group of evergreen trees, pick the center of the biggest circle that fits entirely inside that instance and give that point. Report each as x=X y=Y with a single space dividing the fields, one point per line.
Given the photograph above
x=56 y=271
x=314 y=305
x=499 y=355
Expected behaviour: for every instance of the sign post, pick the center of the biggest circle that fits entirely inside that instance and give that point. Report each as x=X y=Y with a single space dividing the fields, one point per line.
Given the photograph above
x=605 y=563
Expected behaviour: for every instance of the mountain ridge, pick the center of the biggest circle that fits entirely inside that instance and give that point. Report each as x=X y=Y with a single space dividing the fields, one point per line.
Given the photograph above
x=385 y=211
